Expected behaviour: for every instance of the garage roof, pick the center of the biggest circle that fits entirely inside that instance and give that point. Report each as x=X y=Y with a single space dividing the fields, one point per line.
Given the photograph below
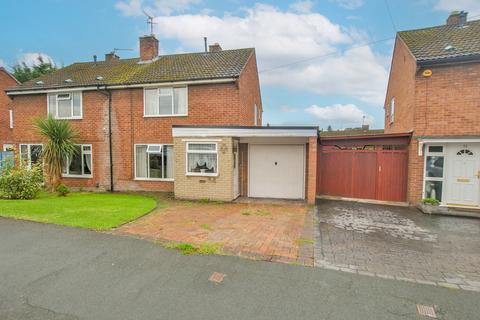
x=243 y=131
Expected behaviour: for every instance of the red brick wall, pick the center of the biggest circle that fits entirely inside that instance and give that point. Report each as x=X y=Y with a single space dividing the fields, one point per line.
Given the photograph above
x=249 y=87
x=6 y=81
x=209 y=104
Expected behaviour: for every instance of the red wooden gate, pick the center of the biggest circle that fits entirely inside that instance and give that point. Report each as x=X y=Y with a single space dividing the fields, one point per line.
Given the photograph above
x=364 y=174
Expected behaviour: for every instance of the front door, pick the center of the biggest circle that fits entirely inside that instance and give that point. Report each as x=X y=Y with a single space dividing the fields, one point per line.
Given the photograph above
x=463 y=174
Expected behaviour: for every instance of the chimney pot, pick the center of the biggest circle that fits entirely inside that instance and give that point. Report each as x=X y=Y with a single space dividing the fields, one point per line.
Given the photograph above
x=111 y=56
x=148 y=48
x=214 y=47
x=458 y=18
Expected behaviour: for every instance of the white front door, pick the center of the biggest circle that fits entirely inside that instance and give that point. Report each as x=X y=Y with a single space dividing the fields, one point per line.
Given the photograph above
x=236 y=182
x=463 y=174
x=276 y=171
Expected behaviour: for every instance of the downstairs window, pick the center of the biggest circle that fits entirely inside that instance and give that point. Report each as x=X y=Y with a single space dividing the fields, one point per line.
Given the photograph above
x=154 y=162
x=80 y=164
x=202 y=158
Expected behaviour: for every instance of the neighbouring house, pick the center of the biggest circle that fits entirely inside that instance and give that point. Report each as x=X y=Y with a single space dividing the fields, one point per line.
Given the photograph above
x=434 y=93
x=188 y=123
x=7 y=80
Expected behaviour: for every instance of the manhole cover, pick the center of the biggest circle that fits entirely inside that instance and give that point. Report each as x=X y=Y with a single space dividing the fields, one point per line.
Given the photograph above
x=426 y=311
x=217 y=277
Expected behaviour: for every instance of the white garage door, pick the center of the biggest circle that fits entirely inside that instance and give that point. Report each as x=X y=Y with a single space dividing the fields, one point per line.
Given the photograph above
x=276 y=171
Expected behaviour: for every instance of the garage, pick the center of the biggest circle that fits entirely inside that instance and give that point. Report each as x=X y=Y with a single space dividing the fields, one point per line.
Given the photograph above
x=276 y=171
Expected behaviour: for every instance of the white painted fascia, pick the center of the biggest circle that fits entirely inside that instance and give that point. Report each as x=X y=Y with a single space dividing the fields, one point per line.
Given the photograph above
x=127 y=86
x=422 y=142
x=243 y=132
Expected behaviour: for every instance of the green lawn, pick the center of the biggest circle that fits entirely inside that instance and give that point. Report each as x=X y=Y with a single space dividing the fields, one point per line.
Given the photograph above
x=99 y=211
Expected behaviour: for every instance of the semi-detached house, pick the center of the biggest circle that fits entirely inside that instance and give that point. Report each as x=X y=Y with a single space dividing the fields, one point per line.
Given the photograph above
x=188 y=123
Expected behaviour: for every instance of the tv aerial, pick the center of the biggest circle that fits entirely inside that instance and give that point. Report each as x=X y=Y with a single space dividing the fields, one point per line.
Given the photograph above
x=149 y=21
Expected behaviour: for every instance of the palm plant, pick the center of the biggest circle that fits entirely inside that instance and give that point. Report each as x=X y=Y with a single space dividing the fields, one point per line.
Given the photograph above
x=59 y=147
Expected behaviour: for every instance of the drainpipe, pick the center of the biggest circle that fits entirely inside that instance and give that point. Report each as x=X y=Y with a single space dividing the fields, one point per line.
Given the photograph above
x=108 y=94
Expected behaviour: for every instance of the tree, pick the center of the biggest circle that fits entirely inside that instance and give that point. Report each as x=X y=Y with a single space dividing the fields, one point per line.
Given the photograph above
x=59 y=147
x=22 y=72
x=329 y=128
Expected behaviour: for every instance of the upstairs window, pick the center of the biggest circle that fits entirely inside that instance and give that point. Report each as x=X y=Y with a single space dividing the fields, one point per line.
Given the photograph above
x=392 y=110
x=166 y=101
x=65 y=105
x=80 y=164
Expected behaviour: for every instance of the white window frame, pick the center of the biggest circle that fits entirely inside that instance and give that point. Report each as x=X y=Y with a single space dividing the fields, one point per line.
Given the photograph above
x=173 y=102
x=29 y=152
x=439 y=154
x=10 y=118
x=392 y=110
x=148 y=161
x=82 y=152
x=70 y=93
x=187 y=151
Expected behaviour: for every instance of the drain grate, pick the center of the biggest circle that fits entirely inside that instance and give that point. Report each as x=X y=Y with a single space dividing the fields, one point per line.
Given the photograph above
x=426 y=311
x=217 y=277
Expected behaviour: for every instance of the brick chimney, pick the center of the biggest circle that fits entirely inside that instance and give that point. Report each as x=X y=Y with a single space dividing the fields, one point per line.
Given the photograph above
x=214 y=47
x=111 y=56
x=458 y=18
x=148 y=48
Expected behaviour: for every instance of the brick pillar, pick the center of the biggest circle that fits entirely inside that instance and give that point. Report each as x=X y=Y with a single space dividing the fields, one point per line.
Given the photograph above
x=312 y=170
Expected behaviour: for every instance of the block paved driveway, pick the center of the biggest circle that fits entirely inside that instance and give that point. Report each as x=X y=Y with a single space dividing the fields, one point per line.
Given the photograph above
x=398 y=242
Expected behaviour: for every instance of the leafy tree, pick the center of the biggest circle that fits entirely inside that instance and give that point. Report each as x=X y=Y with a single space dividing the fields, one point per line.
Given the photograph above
x=329 y=128
x=22 y=72
x=59 y=147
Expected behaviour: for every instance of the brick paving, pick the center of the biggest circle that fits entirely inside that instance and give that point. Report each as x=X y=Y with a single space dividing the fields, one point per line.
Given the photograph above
x=398 y=243
x=264 y=231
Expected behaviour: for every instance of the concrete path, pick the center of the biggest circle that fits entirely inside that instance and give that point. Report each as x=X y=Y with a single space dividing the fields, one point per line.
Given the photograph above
x=54 y=272
x=398 y=242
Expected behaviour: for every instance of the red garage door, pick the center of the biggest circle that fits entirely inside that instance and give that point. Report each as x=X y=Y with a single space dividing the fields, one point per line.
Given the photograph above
x=377 y=173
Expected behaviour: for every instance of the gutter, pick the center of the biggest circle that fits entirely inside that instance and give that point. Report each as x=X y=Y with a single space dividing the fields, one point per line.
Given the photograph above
x=106 y=92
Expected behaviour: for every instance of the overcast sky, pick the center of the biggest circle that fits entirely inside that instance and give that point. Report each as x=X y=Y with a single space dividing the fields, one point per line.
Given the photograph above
x=320 y=62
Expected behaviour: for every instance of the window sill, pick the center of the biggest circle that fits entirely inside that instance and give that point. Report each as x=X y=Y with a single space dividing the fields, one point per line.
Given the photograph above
x=165 y=116
x=77 y=176
x=155 y=179
x=73 y=118
x=190 y=174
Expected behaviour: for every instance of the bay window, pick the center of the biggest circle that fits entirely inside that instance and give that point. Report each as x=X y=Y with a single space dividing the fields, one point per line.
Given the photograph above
x=202 y=158
x=80 y=164
x=30 y=154
x=65 y=105
x=434 y=172
x=165 y=101
x=154 y=161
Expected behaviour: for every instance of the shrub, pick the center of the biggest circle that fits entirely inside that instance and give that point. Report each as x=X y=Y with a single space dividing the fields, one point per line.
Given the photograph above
x=431 y=201
x=20 y=182
x=63 y=190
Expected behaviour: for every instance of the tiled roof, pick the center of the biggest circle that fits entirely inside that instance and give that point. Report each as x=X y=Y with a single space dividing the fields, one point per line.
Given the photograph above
x=167 y=68
x=442 y=43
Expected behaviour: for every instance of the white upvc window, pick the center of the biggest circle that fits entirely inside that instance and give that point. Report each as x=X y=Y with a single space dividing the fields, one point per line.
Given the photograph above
x=165 y=102
x=65 y=105
x=434 y=172
x=80 y=164
x=202 y=158
x=154 y=162
x=392 y=110
x=30 y=154
x=10 y=118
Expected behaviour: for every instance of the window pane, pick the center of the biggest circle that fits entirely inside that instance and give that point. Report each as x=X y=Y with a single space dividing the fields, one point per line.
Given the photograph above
x=435 y=149
x=434 y=167
x=155 y=168
x=180 y=101
x=154 y=148
x=433 y=189
x=141 y=161
x=151 y=102
x=165 y=104
x=87 y=163
x=168 y=162
x=75 y=166
x=202 y=162
x=77 y=108
x=64 y=108
x=201 y=146
x=35 y=153
x=52 y=100
x=24 y=153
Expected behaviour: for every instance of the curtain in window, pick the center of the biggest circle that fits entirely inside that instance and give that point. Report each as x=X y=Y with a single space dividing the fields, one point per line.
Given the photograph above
x=202 y=162
x=77 y=108
x=52 y=101
x=24 y=153
x=87 y=162
x=151 y=102
x=141 y=162
x=168 y=162
x=165 y=101
x=65 y=108
x=180 y=100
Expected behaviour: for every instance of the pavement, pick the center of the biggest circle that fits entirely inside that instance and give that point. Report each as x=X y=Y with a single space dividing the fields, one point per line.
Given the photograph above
x=398 y=243
x=54 y=272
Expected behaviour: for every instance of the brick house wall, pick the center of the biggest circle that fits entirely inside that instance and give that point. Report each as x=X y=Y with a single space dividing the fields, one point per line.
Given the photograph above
x=208 y=104
x=6 y=81
x=445 y=104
